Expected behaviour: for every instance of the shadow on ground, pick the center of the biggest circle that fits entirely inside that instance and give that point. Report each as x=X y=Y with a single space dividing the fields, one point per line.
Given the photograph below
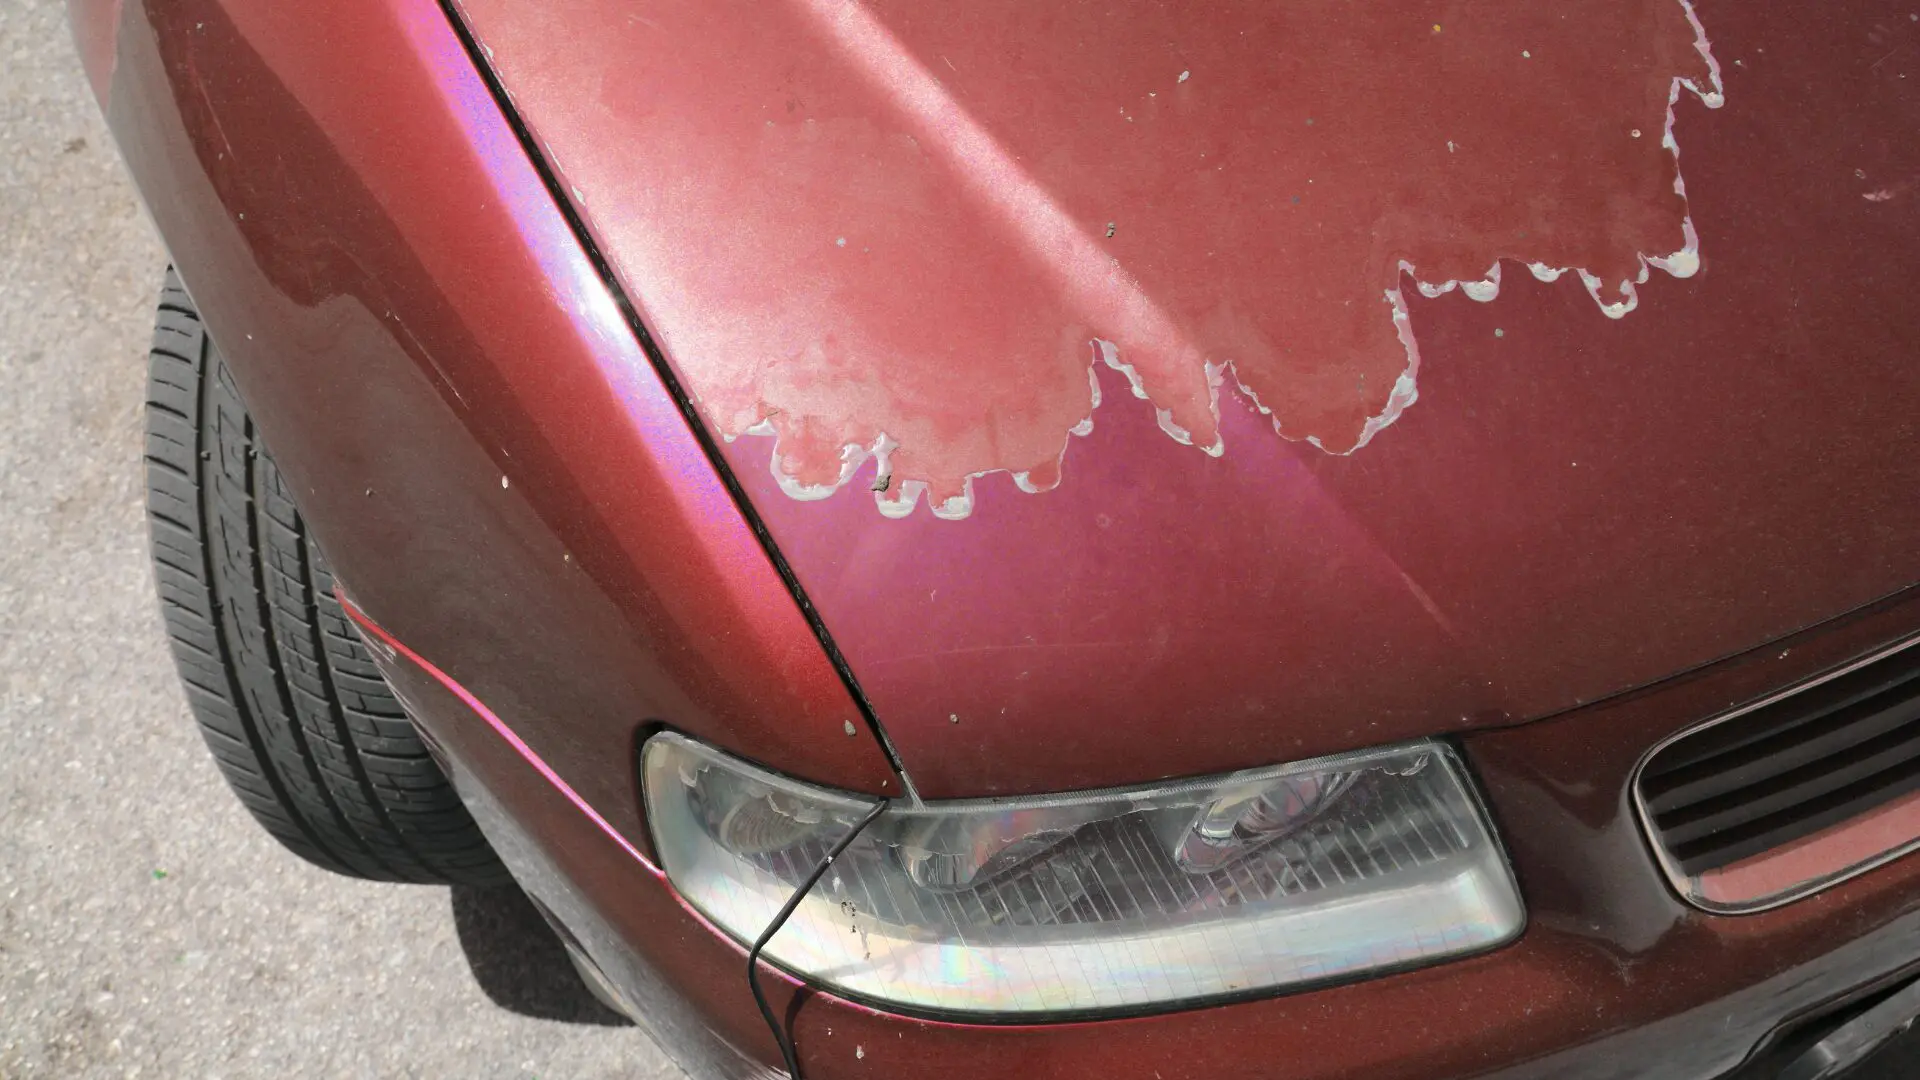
x=519 y=961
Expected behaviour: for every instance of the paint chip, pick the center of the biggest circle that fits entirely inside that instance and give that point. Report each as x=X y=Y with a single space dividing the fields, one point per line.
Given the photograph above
x=841 y=241
x=1184 y=75
x=503 y=481
x=849 y=727
x=1497 y=332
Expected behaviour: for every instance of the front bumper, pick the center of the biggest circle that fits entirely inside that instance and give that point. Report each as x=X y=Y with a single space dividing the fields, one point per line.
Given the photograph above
x=1614 y=977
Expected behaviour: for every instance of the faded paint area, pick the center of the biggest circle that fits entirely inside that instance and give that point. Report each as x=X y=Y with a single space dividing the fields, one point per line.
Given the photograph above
x=904 y=230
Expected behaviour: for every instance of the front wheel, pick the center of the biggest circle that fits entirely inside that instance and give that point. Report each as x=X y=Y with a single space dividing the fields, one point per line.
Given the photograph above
x=301 y=723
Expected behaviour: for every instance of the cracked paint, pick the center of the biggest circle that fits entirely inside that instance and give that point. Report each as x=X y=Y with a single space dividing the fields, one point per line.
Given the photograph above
x=889 y=235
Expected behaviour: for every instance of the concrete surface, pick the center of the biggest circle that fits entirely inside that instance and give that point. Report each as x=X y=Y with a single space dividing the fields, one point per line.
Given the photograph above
x=147 y=927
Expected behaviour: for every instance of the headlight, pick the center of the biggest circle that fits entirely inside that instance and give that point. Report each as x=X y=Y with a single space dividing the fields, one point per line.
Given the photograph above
x=1100 y=900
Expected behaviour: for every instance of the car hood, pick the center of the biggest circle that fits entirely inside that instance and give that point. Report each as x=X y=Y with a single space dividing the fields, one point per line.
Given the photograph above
x=1070 y=355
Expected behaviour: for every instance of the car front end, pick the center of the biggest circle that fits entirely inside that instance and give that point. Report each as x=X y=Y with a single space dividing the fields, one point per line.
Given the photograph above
x=1076 y=441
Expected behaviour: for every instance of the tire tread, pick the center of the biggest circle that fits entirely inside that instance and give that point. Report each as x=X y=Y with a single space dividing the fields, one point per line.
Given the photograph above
x=287 y=699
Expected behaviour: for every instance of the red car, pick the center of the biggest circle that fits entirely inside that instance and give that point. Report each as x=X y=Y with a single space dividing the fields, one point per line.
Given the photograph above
x=1067 y=539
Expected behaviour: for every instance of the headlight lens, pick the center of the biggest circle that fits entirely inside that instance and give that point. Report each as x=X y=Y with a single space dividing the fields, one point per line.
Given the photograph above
x=1093 y=901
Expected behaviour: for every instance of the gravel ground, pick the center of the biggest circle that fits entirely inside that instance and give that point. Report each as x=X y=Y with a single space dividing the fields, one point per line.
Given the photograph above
x=147 y=926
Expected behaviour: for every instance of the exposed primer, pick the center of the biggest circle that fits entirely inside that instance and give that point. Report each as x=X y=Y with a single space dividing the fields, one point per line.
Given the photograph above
x=951 y=342
x=1109 y=354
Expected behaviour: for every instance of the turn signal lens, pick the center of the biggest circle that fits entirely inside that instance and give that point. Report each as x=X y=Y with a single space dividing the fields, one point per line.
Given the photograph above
x=1103 y=900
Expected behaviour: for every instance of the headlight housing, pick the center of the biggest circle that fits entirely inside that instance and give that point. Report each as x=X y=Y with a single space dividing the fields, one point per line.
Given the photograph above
x=1106 y=900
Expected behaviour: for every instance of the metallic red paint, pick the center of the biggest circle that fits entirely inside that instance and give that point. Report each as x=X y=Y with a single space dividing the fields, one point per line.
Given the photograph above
x=393 y=651
x=1576 y=507
x=481 y=446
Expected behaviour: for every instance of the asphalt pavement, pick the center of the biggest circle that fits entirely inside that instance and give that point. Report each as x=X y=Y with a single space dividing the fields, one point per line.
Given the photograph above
x=147 y=927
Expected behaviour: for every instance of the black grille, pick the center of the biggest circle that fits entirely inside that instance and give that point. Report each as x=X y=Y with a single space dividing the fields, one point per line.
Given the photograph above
x=1789 y=768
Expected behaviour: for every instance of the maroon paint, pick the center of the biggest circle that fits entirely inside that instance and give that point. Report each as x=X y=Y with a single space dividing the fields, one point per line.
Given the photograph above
x=1576 y=506
x=383 y=642
x=1614 y=976
x=411 y=321
x=490 y=462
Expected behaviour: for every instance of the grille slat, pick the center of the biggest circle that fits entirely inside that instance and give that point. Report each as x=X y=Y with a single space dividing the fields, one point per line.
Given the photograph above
x=1765 y=834
x=1797 y=788
x=1810 y=705
x=1787 y=769
x=1782 y=761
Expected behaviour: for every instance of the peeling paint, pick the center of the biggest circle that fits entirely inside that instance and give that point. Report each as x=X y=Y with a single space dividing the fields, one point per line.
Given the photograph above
x=991 y=276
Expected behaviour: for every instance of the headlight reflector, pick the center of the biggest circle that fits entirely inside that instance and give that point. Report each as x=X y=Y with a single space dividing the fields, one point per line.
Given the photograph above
x=1094 y=901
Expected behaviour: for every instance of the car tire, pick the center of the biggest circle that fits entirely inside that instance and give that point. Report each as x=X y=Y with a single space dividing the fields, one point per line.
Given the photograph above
x=301 y=723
